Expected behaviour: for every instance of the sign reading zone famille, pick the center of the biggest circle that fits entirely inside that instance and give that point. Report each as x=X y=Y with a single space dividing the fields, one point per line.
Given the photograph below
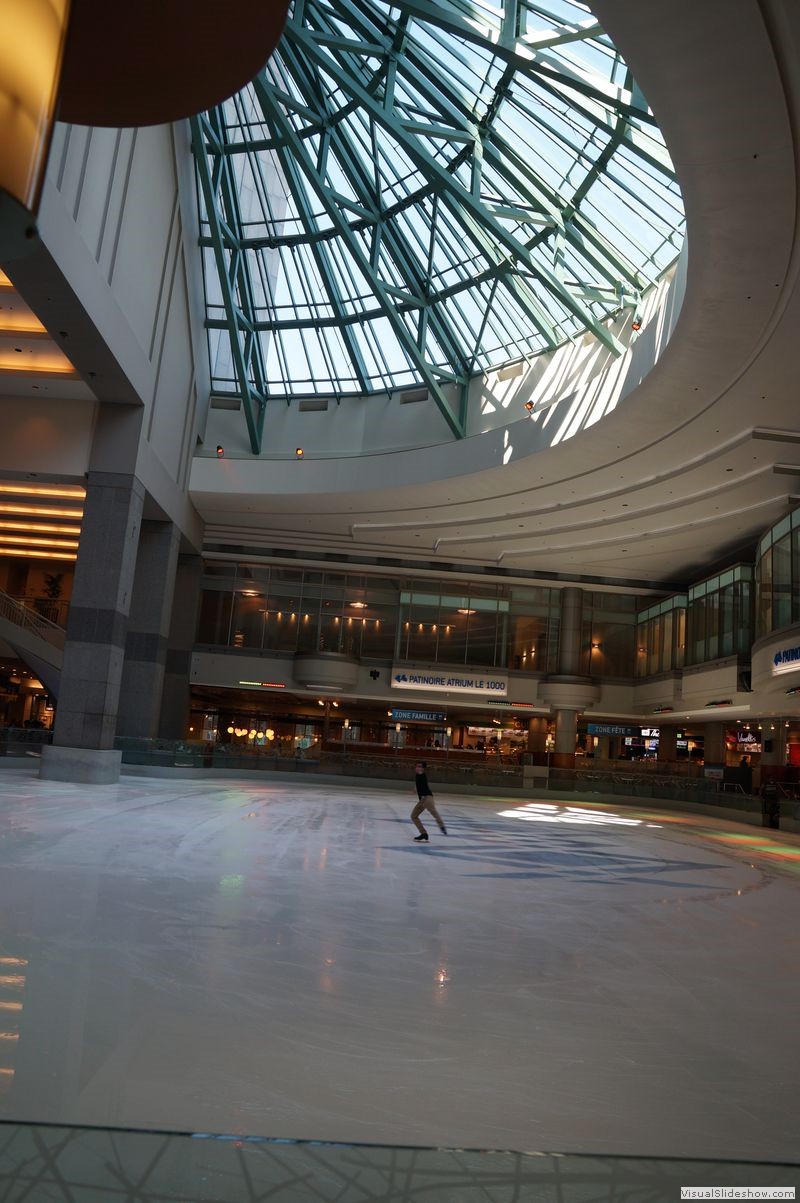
x=488 y=684
x=417 y=716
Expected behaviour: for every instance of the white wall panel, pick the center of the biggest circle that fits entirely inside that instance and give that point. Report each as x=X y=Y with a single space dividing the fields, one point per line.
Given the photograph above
x=52 y=438
x=118 y=218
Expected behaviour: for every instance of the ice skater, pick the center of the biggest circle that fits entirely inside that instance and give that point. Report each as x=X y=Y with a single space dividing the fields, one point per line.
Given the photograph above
x=426 y=802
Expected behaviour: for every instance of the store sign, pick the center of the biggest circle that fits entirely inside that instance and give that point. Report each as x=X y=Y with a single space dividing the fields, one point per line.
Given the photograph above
x=611 y=729
x=651 y=732
x=747 y=738
x=786 y=660
x=488 y=684
x=417 y=716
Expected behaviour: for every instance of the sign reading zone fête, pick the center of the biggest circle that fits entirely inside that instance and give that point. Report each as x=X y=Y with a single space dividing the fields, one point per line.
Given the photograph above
x=488 y=684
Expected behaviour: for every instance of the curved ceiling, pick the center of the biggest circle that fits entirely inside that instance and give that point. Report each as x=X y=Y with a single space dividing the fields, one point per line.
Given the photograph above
x=705 y=453
x=414 y=193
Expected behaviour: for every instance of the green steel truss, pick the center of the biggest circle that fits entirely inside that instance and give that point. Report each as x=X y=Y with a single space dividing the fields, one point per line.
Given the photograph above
x=413 y=193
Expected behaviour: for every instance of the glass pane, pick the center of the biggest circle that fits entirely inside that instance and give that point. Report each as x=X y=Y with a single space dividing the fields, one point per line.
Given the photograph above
x=782 y=582
x=744 y=618
x=380 y=629
x=423 y=636
x=215 y=615
x=712 y=626
x=796 y=573
x=764 y=595
x=680 y=639
x=667 y=623
x=482 y=633
x=308 y=625
x=247 y=626
x=527 y=643
x=697 y=630
x=726 y=632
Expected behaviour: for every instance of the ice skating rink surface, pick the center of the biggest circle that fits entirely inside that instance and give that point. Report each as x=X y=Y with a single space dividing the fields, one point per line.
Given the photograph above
x=283 y=960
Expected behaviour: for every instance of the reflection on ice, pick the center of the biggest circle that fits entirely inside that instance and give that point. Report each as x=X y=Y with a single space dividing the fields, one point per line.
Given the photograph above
x=548 y=812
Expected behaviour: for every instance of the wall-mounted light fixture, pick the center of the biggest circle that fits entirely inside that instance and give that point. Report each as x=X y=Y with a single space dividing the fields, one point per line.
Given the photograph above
x=220 y=451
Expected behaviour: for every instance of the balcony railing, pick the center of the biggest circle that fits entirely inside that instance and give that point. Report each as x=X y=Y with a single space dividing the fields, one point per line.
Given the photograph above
x=23 y=615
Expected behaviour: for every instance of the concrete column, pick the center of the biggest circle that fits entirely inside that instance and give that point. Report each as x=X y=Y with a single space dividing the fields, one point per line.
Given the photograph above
x=569 y=632
x=148 y=627
x=714 y=743
x=176 y=693
x=537 y=739
x=86 y=721
x=566 y=732
x=667 y=743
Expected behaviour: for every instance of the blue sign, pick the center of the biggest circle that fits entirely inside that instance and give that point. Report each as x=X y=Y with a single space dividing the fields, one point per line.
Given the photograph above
x=418 y=716
x=787 y=655
x=612 y=729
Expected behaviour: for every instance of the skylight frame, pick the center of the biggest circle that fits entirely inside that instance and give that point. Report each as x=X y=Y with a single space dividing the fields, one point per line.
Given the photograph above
x=384 y=190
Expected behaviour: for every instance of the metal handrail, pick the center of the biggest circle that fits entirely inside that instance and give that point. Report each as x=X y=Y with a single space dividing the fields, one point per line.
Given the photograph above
x=29 y=620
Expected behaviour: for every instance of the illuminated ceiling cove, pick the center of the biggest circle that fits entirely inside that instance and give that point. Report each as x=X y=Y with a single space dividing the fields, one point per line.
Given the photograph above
x=411 y=194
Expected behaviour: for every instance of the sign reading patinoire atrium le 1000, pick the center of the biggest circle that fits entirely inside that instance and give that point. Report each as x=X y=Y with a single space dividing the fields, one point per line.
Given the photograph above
x=444 y=680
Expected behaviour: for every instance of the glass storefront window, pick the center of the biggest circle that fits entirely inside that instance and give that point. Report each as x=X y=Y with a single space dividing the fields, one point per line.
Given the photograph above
x=272 y=609
x=720 y=620
x=778 y=576
x=660 y=636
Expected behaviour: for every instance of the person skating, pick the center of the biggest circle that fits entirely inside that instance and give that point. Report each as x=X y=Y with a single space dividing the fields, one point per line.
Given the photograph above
x=425 y=802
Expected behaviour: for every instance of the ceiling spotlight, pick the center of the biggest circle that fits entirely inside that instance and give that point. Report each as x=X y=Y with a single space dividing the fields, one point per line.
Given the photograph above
x=299 y=453
x=636 y=324
x=220 y=451
x=529 y=406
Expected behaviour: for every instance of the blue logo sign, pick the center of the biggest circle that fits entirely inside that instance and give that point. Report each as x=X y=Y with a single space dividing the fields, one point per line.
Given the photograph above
x=787 y=655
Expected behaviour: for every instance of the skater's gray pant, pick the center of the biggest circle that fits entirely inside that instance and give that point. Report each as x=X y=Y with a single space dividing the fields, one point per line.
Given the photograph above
x=426 y=803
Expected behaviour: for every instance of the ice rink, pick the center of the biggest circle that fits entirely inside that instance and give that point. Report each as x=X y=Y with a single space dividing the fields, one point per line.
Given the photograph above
x=283 y=960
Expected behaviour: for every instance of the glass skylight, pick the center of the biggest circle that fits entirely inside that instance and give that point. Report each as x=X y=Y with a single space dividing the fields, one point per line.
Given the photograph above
x=414 y=193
